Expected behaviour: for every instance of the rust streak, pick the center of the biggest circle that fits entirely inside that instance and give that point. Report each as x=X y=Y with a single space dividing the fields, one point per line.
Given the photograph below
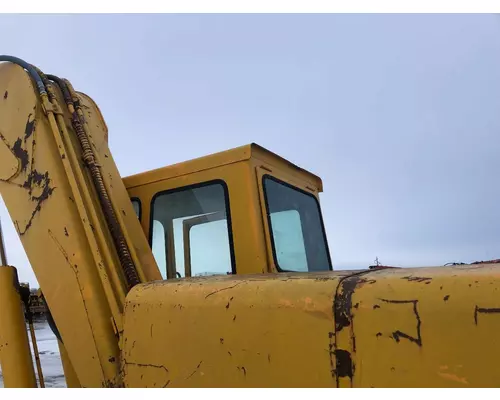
x=398 y=334
x=342 y=313
x=194 y=372
x=478 y=310
x=220 y=290
x=151 y=366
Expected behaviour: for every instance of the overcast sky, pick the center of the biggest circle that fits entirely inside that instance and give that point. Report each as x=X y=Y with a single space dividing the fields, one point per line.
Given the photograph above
x=399 y=114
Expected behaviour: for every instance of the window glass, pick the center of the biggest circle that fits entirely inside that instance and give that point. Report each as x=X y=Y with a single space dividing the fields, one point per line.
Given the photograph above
x=159 y=247
x=297 y=233
x=212 y=238
x=289 y=240
x=196 y=231
x=137 y=207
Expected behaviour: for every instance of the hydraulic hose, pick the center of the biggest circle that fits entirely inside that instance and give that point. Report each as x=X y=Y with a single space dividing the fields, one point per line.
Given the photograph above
x=78 y=123
x=31 y=71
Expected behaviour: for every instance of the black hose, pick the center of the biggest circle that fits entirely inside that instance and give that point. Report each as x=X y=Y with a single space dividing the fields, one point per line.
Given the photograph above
x=28 y=67
x=119 y=240
x=62 y=86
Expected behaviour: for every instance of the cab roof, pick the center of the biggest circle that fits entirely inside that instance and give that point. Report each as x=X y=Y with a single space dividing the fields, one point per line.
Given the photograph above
x=215 y=160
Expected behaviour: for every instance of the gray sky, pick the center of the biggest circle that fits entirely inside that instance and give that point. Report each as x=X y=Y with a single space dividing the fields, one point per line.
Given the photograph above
x=399 y=114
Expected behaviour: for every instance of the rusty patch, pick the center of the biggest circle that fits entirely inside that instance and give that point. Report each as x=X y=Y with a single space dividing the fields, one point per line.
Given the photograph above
x=397 y=335
x=344 y=367
x=35 y=179
x=30 y=127
x=21 y=154
x=416 y=279
x=480 y=310
x=343 y=317
x=343 y=302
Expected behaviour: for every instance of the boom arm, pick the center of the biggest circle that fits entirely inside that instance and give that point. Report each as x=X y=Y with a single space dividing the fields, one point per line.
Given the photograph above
x=72 y=214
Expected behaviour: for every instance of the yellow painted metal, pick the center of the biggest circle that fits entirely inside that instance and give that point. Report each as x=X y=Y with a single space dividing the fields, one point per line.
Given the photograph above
x=69 y=372
x=426 y=327
x=15 y=356
x=61 y=225
x=227 y=157
x=46 y=205
x=246 y=331
x=432 y=327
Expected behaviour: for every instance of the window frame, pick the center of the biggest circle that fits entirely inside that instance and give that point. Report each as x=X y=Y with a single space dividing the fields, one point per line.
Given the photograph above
x=138 y=200
x=270 y=225
x=197 y=186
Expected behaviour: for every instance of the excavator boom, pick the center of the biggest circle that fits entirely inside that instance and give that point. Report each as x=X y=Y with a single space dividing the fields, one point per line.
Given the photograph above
x=72 y=214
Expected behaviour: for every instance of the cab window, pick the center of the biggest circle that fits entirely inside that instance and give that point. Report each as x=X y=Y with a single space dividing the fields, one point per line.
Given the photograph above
x=297 y=233
x=191 y=231
x=136 y=203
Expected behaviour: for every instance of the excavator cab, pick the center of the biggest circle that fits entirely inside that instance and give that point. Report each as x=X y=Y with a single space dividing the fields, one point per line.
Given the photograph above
x=241 y=211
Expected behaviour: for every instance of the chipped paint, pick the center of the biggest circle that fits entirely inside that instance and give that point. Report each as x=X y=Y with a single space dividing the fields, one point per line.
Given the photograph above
x=397 y=335
x=416 y=279
x=30 y=127
x=21 y=154
x=344 y=365
x=481 y=310
x=453 y=377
